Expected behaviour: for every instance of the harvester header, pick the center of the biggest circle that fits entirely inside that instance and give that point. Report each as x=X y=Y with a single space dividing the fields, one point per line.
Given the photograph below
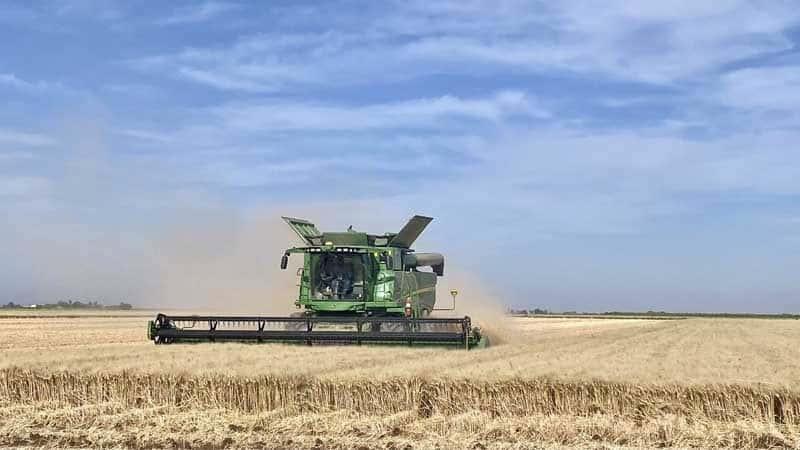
x=354 y=287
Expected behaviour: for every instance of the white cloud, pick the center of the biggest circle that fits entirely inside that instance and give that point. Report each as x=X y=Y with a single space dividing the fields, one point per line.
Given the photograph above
x=15 y=155
x=561 y=180
x=762 y=88
x=221 y=80
x=658 y=164
x=146 y=135
x=641 y=43
x=26 y=139
x=23 y=186
x=660 y=44
x=643 y=168
x=198 y=13
x=9 y=79
x=426 y=113
x=136 y=90
x=229 y=174
x=16 y=14
x=102 y=10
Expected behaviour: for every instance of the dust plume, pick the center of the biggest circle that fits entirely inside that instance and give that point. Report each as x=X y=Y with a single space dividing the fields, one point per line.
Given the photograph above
x=103 y=224
x=475 y=300
x=227 y=261
x=75 y=236
x=112 y=226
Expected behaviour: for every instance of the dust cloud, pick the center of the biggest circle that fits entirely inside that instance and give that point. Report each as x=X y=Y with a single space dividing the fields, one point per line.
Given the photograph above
x=73 y=238
x=475 y=300
x=110 y=228
x=113 y=227
x=227 y=260
x=227 y=263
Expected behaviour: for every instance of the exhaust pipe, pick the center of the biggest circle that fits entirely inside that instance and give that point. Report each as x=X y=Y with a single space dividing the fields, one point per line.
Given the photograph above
x=432 y=260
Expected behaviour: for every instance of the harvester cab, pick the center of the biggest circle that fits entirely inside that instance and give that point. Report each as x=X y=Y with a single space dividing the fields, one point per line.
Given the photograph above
x=354 y=287
x=359 y=273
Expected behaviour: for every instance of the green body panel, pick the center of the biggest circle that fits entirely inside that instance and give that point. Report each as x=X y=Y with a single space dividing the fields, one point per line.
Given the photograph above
x=374 y=270
x=381 y=289
x=420 y=287
x=334 y=307
x=347 y=238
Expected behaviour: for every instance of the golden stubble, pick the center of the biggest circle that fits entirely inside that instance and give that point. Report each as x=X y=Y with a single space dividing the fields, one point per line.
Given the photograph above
x=561 y=382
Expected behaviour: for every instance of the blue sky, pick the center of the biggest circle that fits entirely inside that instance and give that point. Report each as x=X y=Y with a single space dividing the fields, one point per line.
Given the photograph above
x=576 y=157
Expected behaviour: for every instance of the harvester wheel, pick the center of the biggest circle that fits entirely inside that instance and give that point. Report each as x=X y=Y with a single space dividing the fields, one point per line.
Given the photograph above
x=162 y=340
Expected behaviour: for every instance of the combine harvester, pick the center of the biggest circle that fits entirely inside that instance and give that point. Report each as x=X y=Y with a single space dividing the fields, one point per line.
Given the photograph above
x=355 y=288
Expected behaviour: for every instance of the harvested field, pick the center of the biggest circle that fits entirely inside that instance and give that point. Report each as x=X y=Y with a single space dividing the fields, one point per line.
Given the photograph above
x=555 y=382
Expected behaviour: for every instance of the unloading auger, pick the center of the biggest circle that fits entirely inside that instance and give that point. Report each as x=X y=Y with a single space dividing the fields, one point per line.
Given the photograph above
x=355 y=288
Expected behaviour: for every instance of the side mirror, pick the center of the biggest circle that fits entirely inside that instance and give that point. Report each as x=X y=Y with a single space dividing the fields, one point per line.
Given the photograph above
x=284 y=261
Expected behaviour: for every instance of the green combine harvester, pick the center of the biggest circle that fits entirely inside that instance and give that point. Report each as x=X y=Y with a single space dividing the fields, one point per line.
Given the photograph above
x=355 y=288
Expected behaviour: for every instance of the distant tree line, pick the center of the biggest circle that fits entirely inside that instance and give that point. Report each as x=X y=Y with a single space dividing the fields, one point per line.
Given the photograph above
x=543 y=312
x=527 y=312
x=69 y=304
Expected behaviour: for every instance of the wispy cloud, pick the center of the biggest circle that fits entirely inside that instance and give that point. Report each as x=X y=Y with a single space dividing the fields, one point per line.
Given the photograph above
x=16 y=14
x=762 y=88
x=22 y=186
x=644 y=44
x=11 y=80
x=145 y=135
x=226 y=81
x=428 y=113
x=102 y=10
x=200 y=12
x=24 y=138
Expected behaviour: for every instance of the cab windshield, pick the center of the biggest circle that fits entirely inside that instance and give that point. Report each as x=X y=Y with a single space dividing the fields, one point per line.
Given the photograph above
x=337 y=276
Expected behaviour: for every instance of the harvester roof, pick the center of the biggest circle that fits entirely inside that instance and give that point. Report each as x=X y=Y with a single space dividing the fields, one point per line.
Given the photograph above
x=309 y=233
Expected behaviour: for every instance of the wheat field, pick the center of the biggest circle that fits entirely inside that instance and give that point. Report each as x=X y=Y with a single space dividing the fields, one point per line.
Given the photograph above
x=589 y=383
